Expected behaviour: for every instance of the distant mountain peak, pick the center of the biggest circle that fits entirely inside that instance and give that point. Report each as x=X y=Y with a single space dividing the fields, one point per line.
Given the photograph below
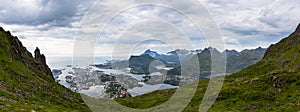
x=230 y=52
x=150 y=53
x=197 y=51
x=179 y=52
x=252 y=50
x=210 y=50
x=259 y=47
x=148 y=50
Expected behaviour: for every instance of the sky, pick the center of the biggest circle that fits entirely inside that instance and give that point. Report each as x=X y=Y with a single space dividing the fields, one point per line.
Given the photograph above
x=53 y=25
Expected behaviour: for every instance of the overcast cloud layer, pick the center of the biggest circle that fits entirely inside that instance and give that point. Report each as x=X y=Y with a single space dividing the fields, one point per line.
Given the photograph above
x=52 y=24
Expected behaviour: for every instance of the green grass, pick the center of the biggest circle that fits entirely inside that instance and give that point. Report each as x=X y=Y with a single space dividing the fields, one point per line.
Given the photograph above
x=273 y=84
x=246 y=93
x=25 y=88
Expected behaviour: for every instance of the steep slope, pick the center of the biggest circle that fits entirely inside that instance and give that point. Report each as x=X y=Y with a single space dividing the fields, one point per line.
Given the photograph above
x=273 y=84
x=26 y=82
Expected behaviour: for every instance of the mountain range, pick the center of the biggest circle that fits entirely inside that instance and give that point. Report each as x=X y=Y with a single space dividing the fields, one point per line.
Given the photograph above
x=235 y=60
x=272 y=84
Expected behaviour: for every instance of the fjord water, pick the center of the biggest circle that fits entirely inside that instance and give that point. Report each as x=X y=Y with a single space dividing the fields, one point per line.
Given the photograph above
x=66 y=64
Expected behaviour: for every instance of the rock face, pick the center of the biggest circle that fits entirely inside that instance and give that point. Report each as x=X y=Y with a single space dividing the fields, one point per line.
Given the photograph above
x=26 y=83
x=41 y=61
x=20 y=53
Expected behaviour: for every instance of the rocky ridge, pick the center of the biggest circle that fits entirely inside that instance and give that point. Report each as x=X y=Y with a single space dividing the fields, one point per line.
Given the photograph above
x=27 y=84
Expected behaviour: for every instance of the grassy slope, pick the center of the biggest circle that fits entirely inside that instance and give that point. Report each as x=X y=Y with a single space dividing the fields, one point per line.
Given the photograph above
x=273 y=84
x=24 y=88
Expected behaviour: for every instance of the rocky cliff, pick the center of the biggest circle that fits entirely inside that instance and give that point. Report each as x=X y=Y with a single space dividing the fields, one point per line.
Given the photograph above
x=41 y=62
x=26 y=83
x=20 y=53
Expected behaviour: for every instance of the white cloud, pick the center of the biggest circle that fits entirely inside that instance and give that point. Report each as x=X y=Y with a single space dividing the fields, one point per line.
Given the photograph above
x=261 y=21
x=50 y=46
x=50 y=24
x=37 y=12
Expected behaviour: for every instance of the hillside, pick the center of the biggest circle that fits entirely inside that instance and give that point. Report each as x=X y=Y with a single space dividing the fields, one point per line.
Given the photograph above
x=26 y=82
x=273 y=84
